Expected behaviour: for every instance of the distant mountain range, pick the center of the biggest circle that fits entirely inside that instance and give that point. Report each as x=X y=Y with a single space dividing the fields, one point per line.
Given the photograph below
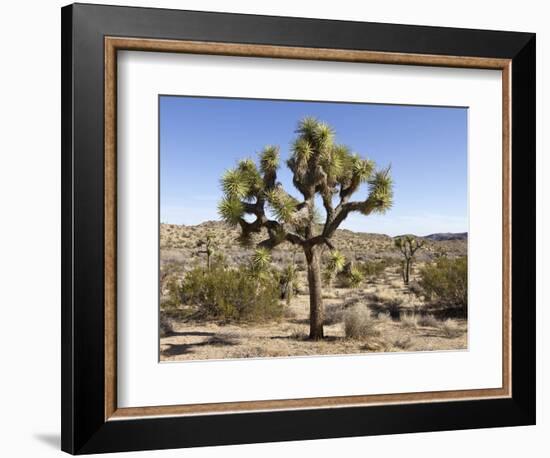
x=444 y=236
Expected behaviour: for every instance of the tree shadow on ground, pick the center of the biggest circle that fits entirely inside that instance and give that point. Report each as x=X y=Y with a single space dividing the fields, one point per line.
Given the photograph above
x=305 y=338
x=299 y=321
x=213 y=340
x=191 y=333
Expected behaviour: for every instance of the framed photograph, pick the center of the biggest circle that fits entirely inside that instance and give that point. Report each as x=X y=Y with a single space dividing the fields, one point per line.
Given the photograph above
x=281 y=228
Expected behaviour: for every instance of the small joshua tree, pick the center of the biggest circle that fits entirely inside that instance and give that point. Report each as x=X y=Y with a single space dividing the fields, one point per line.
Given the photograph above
x=208 y=249
x=288 y=282
x=256 y=201
x=335 y=265
x=260 y=262
x=408 y=246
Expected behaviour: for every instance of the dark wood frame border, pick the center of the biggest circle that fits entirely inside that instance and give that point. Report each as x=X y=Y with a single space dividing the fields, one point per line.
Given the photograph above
x=91 y=36
x=114 y=44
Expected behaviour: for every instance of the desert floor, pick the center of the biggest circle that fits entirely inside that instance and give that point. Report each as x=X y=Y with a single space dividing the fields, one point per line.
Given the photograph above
x=195 y=340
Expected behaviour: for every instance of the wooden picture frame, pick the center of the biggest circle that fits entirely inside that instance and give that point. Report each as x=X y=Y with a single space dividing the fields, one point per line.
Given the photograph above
x=91 y=420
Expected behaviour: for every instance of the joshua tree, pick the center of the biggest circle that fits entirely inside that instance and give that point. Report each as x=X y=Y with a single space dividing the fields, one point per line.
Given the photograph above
x=408 y=246
x=255 y=200
x=208 y=249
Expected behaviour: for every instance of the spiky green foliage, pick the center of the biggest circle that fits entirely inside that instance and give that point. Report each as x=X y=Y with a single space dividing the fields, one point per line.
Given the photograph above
x=354 y=278
x=269 y=160
x=381 y=191
x=282 y=205
x=335 y=265
x=336 y=262
x=261 y=260
x=234 y=185
x=231 y=210
x=242 y=182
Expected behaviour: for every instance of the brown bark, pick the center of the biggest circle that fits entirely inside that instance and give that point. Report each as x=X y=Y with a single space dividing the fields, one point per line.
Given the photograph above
x=316 y=313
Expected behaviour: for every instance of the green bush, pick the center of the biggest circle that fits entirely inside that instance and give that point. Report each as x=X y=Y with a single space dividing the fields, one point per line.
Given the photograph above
x=232 y=294
x=171 y=299
x=373 y=269
x=446 y=282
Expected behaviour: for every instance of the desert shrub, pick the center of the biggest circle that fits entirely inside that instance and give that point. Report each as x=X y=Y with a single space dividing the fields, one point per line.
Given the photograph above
x=334 y=313
x=428 y=321
x=166 y=325
x=446 y=281
x=384 y=317
x=409 y=321
x=387 y=300
x=297 y=333
x=450 y=329
x=171 y=299
x=232 y=294
x=351 y=278
x=415 y=288
x=358 y=323
x=403 y=343
x=373 y=269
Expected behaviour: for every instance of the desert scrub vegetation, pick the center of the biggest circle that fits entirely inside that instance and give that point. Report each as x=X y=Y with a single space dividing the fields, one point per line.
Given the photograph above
x=409 y=321
x=166 y=325
x=373 y=270
x=231 y=294
x=386 y=301
x=446 y=282
x=450 y=328
x=428 y=321
x=351 y=278
x=403 y=343
x=359 y=323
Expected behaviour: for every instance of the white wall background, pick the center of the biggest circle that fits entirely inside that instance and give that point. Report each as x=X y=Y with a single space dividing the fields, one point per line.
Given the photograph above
x=30 y=226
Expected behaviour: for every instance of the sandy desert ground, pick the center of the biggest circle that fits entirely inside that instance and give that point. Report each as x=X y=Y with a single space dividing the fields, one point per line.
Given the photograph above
x=412 y=329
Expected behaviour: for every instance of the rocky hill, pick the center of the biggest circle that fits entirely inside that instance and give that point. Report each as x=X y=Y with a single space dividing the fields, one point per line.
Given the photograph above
x=181 y=244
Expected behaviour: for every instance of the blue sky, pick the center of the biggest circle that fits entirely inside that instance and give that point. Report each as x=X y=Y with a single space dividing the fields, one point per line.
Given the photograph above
x=426 y=146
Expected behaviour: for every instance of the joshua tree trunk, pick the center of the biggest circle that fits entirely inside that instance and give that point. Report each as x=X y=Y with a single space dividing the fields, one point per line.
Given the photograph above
x=406 y=271
x=316 y=315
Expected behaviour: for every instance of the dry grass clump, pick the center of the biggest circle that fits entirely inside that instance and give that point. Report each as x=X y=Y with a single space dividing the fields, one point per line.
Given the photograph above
x=451 y=329
x=384 y=317
x=358 y=323
x=428 y=321
x=409 y=321
x=298 y=333
x=403 y=343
